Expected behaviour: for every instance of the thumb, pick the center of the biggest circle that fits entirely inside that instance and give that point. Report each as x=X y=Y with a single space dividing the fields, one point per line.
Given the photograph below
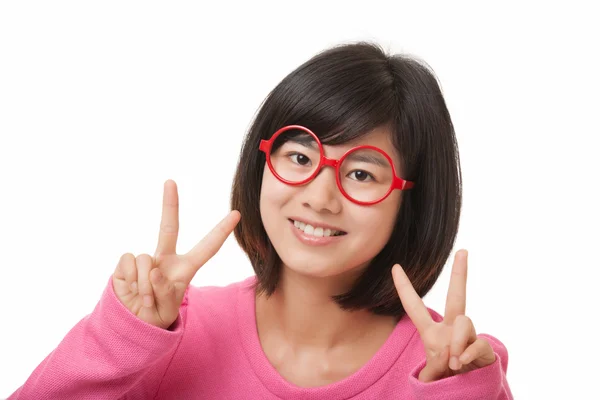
x=165 y=294
x=436 y=367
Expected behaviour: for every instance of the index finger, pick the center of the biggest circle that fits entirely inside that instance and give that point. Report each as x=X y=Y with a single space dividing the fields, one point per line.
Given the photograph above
x=413 y=305
x=169 y=223
x=211 y=243
x=457 y=291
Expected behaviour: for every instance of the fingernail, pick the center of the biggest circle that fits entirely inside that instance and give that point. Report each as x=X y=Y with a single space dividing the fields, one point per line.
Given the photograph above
x=147 y=301
x=454 y=363
x=133 y=287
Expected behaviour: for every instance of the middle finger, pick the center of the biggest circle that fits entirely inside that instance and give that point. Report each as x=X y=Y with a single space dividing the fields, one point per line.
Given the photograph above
x=209 y=245
x=457 y=292
x=411 y=301
x=169 y=222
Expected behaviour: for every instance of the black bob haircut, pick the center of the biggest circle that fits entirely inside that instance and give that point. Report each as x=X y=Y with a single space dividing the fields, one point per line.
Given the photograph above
x=340 y=94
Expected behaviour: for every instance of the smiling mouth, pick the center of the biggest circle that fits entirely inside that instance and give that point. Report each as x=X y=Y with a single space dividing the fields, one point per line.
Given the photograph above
x=316 y=231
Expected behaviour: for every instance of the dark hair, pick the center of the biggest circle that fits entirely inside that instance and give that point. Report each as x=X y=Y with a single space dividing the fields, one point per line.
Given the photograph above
x=340 y=94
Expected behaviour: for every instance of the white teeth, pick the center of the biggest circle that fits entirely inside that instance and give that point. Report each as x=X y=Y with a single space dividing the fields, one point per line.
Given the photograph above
x=312 y=231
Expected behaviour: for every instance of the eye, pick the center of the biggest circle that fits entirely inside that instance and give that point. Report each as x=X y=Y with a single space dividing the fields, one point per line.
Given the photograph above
x=300 y=159
x=361 y=176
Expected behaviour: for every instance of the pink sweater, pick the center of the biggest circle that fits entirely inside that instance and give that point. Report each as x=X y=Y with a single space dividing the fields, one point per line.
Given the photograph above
x=213 y=352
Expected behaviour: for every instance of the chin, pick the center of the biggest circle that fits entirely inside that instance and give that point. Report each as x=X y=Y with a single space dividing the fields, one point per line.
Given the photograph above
x=312 y=267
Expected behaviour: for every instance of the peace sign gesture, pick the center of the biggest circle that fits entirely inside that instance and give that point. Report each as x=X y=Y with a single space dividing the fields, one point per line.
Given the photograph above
x=152 y=288
x=451 y=346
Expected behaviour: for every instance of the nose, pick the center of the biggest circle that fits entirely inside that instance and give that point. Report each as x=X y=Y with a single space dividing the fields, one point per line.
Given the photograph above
x=322 y=194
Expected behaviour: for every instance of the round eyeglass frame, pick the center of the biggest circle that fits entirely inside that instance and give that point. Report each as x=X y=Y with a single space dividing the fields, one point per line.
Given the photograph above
x=397 y=183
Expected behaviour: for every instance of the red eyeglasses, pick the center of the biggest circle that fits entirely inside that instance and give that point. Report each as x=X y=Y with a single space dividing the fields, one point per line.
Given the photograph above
x=365 y=174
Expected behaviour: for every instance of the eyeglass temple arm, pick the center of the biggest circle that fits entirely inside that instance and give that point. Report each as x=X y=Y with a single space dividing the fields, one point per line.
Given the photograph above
x=264 y=145
x=403 y=184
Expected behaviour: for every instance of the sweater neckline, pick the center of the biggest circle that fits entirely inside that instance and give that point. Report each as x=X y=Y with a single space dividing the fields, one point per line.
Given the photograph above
x=365 y=377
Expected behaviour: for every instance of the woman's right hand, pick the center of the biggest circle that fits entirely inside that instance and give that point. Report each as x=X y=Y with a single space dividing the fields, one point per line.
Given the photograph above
x=152 y=288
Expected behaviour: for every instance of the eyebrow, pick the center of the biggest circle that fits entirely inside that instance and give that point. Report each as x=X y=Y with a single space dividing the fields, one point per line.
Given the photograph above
x=304 y=140
x=369 y=158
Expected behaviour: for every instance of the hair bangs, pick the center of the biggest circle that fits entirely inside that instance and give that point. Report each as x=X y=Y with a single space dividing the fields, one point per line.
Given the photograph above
x=339 y=97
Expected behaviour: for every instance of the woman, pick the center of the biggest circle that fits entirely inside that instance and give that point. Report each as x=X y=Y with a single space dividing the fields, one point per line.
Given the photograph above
x=349 y=192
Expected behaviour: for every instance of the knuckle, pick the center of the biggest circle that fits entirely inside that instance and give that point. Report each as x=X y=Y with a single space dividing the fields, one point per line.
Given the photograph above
x=217 y=236
x=437 y=353
x=457 y=346
x=143 y=261
x=126 y=264
x=223 y=230
x=467 y=356
x=457 y=273
x=155 y=276
x=430 y=339
x=485 y=345
x=462 y=321
x=127 y=258
x=455 y=298
x=171 y=204
x=169 y=228
x=158 y=258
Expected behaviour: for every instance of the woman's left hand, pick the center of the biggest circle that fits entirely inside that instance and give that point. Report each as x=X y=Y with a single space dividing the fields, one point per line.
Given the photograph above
x=451 y=346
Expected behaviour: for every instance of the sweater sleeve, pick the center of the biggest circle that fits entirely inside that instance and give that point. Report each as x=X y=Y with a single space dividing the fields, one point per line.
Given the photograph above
x=487 y=383
x=109 y=354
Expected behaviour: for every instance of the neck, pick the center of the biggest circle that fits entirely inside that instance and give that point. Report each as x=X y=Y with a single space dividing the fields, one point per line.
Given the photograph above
x=303 y=312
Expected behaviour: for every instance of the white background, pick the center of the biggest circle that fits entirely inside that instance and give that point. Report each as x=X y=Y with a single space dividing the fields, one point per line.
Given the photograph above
x=101 y=103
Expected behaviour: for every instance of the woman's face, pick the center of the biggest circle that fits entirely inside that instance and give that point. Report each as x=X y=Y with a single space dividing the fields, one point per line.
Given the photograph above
x=286 y=210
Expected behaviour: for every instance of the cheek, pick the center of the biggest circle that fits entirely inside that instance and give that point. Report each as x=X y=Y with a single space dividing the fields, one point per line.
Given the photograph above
x=376 y=226
x=378 y=221
x=273 y=196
